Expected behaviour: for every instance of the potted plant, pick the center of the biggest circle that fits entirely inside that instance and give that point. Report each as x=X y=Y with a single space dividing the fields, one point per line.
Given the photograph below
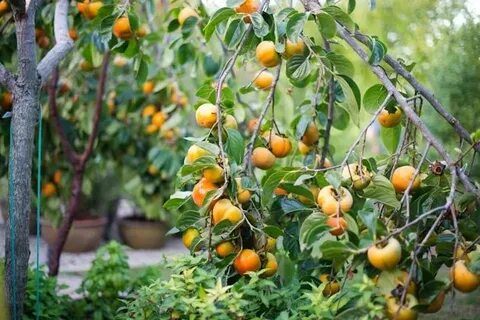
x=89 y=224
x=146 y=228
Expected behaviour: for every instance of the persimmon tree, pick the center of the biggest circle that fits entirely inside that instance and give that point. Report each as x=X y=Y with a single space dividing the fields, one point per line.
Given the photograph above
x=398 y=217
x=24 y=86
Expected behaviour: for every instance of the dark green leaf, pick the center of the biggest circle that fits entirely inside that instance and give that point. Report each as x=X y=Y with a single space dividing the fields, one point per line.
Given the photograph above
x=234 y=145
x=260 y=27
x=391 y=137
x=219 y=16
x=381 y=189
x=295 y=25
x=234 y=33
x=374 y=97
x=326 y=25
x=298 y=67
x=341 y=16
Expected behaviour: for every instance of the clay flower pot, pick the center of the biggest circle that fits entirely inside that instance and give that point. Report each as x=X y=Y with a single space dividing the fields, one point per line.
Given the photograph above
x=85 y=235
x=139 y=233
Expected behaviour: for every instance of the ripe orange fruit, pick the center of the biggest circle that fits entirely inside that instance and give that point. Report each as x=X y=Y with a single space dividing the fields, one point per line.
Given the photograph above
x=263 y=80
x=243 y=195
x=3 y=7
x=151 y=129
x=311 y=135
x=293 y=48
x=142 y=31
x=463 y=279
x=251 y=125
x=303 y=148
x=120 y=61
x=330 y=200
x=230 y=122
x=206 y=115
x=225 y=210
x=148 y=87
x=280 y=146
x=248 y=7
x=159 y=118
x=266 y=54
x=82 y=7
x=337 y=225
x=200 y=191
x=389 y=120
x=7 y=101
x=86 y=66
x=73 y=34
x=186 y=13
x=48 y=189
x=214 y=174
x=262 y=158
x=359 y=179
x=271 y=266
x=247 y=261
x=194 y=153
x=57 y=177
x=43 y=42
x=406 y=311
x=331 y=287
x=121 y=28
x=402 y=278
x=225 y=248
x=436 y=303
x=280 y=192
x=385 y=257
x=402 y=176
x=149 y=110
x=188 y=236
x=92 y=8
x=326 y=162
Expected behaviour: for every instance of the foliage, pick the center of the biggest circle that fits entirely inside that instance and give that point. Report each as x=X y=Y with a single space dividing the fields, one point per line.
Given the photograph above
x=53 y=305
x=106 y=281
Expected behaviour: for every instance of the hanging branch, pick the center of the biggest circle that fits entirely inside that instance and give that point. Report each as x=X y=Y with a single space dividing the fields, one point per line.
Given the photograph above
x=461 y=131
x=78 y=164
x=247 y=160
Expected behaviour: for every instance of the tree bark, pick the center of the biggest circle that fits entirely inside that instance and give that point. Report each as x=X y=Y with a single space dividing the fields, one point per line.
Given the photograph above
x=24 y=118
x=72 y=210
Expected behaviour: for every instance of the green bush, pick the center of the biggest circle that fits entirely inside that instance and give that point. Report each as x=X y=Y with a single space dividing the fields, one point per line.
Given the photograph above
x=52 y=304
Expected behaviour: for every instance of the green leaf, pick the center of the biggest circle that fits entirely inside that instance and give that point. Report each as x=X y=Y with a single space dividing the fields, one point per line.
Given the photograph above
x=351 y=6
x=381 y=189
x=187 y=219
x=334 y=178
x=186 y=52
x=234 y=33
x=210 y=66
x=295 y=25
x=270 y=183
x=326 y=25
x=142 y=71
x=273 y=231
x=298 y=67
x=206 y=92
x=260 y=27
x=351 y=93
x=312 y=229
x=369 y=219
x=332 y=249
x=374 y=97
x=188 y=26
x=341 y=63
x=391 y=137
x=219 y=16
x=378 y=51
x=341 y=16
x=234 y=145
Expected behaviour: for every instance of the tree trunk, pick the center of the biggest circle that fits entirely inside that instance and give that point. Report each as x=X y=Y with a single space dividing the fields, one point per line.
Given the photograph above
x=24 y=119
x=62 y=234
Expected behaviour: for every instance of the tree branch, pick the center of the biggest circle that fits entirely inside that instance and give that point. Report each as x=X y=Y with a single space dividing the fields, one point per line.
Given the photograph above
x=461 y=131
x=409 y=112
x=70 y=153
x=331 y=106
x=63 y=42
x=6 y=78
x=98 y=109
x=247 y=160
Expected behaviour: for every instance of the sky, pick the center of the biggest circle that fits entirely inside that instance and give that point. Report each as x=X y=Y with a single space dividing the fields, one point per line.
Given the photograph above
x=474 y=6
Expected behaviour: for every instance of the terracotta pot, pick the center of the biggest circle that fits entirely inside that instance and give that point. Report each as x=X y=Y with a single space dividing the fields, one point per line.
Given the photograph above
x=85 y=235
x=32 y=223
x=142 y=234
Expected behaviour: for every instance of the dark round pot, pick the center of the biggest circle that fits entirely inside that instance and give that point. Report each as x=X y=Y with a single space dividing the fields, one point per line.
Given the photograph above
x=85 y=235
x=142 y=234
